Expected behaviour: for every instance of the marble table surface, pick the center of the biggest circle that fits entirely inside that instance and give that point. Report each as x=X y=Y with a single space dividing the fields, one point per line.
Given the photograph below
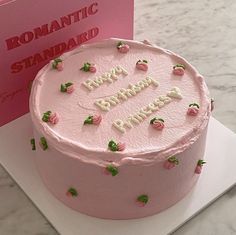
x=204 y=32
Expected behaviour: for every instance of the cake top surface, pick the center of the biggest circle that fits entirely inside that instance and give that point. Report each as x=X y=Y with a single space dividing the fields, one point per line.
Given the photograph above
x=147 y=109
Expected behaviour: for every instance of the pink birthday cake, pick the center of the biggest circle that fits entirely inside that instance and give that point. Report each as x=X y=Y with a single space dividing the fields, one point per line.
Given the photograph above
x=119 y=128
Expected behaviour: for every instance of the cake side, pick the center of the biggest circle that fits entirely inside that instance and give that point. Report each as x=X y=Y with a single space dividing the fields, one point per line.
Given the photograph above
x=119 y=169
x=132 y=191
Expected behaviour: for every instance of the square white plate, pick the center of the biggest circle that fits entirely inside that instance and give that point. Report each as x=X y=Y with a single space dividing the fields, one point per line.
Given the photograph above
x=218 y=176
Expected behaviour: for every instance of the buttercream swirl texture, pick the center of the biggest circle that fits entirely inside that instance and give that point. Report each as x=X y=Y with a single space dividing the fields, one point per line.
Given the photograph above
x=144 y=145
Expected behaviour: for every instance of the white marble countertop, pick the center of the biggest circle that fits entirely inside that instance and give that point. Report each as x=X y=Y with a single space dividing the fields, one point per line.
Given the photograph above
x=203 y=32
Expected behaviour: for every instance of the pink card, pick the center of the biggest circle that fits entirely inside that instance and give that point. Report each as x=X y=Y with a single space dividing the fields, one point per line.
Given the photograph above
x=34 y=32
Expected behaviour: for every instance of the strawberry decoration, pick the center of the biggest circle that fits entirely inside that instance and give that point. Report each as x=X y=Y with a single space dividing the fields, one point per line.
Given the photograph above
x=32 y=142
x=142 y=200
x=178 y=69
x=43 y=143
x=88 y=67
x=171 y=162
x=212 y=104
x=72 y=192
x=113 y=146
x=142 y=65
x=157 y=123
x=198 y=168
x=67 y=87
x=95 y=119
x=50 y=117
x=111 y=169
x=57 y=64
x=193 y=109
x=122 y=47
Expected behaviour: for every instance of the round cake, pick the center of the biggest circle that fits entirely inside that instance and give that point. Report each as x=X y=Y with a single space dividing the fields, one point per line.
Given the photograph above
x=119 y=128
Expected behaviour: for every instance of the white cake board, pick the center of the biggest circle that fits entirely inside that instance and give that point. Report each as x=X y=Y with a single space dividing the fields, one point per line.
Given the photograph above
x=218 y=176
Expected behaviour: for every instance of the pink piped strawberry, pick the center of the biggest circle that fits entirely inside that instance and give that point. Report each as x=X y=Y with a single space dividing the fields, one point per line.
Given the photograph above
x=198 y=168
x=67 y=87
x=97 y=119
x=72 y=192
x=142 y=200
x=142 y=65
x=57 y=64
x=88 y=67
x=70 y=89
x=171 y=162
x=122 y=47
x=193 y=109
x=93 y=119
x=157 y=123
x=50 y=117
x=53 y=118
x=113 y=146
x=60 y=66
x=179 y=69
x=212 y=104
x=92 y=68
x=120 y=146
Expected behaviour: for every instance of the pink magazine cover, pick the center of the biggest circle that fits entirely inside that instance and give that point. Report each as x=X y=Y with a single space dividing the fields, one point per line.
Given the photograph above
x=34 y=32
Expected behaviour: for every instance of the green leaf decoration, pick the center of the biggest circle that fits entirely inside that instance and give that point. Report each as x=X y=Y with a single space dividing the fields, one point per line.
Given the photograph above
x=68 y=84
x=179 y=65
x=58 y=60
x=112 y=145
x=194 y=104
x=155 y=118
x=73 y=192
x=86 y=67
x=46 y=116
x=145 y=61
x=32 y=142
x=201 y=162
x=152 y=120
x=63 y=88
x=119 y=44
x=54 y=65
x=160 y=119
x=55 y=62
x=112 y=169
x=143 y=198
x=43 y=143
x=174 y=160
x=88 y=120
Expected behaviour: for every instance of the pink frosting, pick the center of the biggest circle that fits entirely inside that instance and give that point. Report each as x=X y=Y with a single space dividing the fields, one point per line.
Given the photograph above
x=123 y=48
x=198 y=169
x=53 y=118
x=97 y=119
x=169 y=165
x=158 y=125
x=140 y=204
x=70 y=89
x=92 y=68
x=179 y=71
x=144 y=145
x=121 y=146
x=142 y=66
x=60 y=66
x=192 y=111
